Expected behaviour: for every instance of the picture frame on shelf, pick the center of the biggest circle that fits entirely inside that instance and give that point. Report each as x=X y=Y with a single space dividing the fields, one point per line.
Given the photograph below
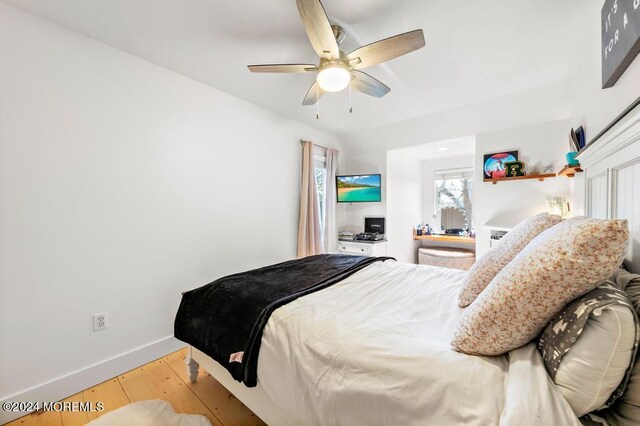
x=493 y=165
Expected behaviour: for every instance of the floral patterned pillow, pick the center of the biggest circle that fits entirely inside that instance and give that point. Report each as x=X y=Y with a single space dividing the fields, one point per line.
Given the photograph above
x=564 y=262
x=488 y=266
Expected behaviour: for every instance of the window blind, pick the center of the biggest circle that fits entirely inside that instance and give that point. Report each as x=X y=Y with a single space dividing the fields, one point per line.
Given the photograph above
x=460 y=173
x=319 y=155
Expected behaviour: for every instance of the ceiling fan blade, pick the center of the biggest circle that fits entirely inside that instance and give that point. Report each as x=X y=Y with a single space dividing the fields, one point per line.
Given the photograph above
x=385 y=50
x=314 y=93
x=318 y=28
x=363 y=82
x=282 y=68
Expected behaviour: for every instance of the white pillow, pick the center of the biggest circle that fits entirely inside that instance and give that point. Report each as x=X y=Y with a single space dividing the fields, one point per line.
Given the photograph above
x=597 y=362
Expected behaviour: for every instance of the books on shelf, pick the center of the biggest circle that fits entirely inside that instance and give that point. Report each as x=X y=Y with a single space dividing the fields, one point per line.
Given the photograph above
x=577 y=139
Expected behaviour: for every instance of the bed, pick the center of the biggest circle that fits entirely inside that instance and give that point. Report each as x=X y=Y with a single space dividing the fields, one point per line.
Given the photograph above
x=375 y=347
x=318 y=353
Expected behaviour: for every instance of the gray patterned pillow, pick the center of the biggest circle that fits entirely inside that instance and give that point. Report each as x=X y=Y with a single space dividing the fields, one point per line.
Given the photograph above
x=625 y=411
x=593 y=372
x=593 y=420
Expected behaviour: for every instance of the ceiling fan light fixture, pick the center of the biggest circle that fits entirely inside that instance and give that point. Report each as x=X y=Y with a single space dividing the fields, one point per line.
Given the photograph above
x=336 y=70
x=334 y=77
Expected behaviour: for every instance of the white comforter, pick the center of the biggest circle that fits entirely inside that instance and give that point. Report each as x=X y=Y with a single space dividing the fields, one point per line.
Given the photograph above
x=374 y=349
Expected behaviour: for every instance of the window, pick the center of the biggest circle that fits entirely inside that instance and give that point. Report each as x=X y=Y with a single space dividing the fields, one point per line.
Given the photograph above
x=453 y=193
x=320 y=164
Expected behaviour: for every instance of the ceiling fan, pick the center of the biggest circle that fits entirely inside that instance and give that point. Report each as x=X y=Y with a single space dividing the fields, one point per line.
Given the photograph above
x=336 y=70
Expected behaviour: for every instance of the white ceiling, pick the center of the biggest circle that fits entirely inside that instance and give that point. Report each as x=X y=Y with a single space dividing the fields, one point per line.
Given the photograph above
x=458 y=147
x=476 y=49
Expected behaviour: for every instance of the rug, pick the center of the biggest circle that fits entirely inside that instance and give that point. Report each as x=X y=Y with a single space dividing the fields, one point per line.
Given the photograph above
x=149 y=413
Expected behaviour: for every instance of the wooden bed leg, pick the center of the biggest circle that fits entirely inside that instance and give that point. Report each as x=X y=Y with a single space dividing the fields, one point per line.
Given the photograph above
x=192 y=367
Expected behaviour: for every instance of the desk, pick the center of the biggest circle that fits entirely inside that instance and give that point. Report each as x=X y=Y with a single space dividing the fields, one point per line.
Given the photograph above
x=445 y=238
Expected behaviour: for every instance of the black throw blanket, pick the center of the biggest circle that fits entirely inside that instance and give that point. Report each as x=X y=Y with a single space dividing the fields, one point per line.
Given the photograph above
x=225 y=319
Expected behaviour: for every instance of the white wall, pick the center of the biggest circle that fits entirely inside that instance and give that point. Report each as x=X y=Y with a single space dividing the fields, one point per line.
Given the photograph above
x=123 y=184
x=367 y=148
x=594 y=107
x=569 y=103
x=507 y=203
x=538 y=105
x=404 y=204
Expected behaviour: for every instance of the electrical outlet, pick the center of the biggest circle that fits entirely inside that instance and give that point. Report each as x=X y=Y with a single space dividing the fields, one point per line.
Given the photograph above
x=100 y=321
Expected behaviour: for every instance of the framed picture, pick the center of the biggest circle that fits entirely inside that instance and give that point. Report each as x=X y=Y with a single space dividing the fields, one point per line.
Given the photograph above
x=620 y=38
x=493 y=165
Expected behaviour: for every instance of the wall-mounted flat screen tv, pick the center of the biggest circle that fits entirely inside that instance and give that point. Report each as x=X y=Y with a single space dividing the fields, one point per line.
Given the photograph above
x=359 y=188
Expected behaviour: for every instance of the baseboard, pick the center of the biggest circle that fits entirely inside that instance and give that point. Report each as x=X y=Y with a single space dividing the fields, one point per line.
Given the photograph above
x=84 y=378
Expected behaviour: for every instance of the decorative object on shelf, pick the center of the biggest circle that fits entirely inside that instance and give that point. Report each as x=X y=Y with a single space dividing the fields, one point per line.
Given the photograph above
x=421 y=230
x=514 y=169
x=494 y=163
x=536 y=169
x=580 y=137
x=570 y=171
x=571 y=158
x=549 y=168
x=620 y=38
x=558 y=206
x=346 y=236
x=577 y=139
x=573 y=141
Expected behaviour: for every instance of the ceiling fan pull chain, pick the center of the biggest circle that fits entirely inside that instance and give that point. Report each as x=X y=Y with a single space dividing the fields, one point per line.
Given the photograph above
x=350 y=99
x=318 y=102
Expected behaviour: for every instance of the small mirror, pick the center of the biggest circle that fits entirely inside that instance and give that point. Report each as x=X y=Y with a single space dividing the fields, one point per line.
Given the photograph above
x=453 y=218
x=453 y=190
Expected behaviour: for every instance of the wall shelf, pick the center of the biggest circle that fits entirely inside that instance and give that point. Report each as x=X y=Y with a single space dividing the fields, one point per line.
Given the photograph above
x=445 y=238
x=538 y=177
x=570 y=171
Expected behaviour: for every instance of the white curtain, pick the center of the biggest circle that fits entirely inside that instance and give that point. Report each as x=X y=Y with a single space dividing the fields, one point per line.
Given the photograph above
x=309 y=228
x=330 y=226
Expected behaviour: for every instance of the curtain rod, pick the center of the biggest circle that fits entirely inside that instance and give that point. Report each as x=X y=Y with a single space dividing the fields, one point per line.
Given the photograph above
x=454 y=169
x=302 y=141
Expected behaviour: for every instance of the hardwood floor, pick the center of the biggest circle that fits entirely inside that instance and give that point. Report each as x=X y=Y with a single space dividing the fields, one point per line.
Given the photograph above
x=165 y=379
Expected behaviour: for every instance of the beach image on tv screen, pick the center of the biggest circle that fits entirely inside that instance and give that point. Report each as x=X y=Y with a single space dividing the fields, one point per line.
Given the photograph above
x=354 y=189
